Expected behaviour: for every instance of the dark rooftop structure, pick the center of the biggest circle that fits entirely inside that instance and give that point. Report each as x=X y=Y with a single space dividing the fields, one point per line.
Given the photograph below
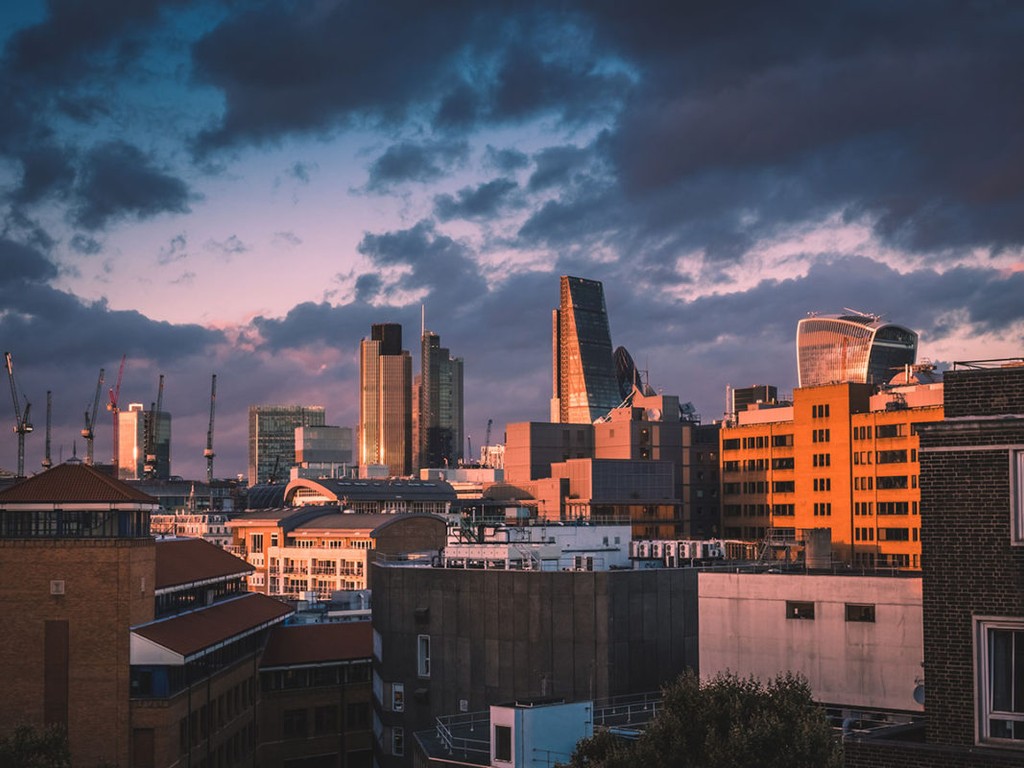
x=188 y=562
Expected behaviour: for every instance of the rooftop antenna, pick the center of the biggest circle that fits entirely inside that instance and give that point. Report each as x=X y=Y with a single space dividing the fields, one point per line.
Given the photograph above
x=47 y=462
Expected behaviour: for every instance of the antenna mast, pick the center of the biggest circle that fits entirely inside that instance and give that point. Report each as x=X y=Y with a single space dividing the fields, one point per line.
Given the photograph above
x=208 y=453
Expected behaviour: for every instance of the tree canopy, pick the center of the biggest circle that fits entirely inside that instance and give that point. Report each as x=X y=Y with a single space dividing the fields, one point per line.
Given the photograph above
x=726 y=722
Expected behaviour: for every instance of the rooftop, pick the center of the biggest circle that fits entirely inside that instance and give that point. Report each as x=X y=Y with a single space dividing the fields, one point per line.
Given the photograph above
x=73 y=483
x=184 y=562
x=309 y=644
x=192 y=634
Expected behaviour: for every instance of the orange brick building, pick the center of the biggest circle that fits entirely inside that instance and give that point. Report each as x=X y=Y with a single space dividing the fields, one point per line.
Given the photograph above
x=840 y=457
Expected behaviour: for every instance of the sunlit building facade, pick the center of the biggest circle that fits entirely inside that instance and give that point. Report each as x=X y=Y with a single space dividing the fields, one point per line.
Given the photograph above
x=584 y=382
x=840 y=457
x=856 y=348
x=385 y=401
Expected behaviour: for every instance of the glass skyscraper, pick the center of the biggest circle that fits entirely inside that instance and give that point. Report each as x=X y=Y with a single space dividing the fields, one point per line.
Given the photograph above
x=440 y=404
x=584 y=384
x=385 y=401
x=851 y=348
x=272 y=438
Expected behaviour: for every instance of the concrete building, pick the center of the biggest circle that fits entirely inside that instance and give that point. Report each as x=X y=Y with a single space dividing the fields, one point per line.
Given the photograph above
x=972 y=532
x=856 y=639
x=440 y=423
x=459 y=640
x=272 y=438
x=385 y=402
x=584 y=384
x=840 y=457
x=851 y=347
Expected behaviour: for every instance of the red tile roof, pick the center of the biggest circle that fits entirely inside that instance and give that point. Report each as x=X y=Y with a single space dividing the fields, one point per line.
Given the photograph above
x=318 y=643
x=73 y=483
x=188 y=561
x=191 y=633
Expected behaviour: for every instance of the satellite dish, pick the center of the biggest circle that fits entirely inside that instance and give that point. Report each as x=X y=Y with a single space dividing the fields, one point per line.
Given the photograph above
x=919 y=694
x=654 y=414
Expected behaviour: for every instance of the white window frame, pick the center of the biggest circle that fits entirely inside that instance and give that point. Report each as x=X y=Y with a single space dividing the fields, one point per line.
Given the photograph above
x=983 y=709
x=423 y=655
x=1017 y=496
x=397 y=697
x=398 y=741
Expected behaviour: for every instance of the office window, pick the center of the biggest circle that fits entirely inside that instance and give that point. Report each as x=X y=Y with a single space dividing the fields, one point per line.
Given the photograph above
x=257 y=542
x=325 y=719
x=423 y=655
x=293 y=725
x=503 y=743
x=398 y=741
x=796 y=609
x=860 y=612
x=782 y=441
x=1000 y=684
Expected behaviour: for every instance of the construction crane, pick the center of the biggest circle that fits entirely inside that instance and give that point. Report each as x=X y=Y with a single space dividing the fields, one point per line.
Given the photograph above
x=149 y=468
x=113 y=405
x=487 y=444
x=90 y=421
x=22 y=424
x=208 y=453
x=47 y=462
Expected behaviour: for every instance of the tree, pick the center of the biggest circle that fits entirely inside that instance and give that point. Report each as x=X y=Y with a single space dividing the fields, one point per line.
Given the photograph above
x=29 y=748
x=728 y=722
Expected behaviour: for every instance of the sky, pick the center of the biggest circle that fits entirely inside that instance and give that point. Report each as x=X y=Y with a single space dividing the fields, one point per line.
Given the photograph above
x=243 y=188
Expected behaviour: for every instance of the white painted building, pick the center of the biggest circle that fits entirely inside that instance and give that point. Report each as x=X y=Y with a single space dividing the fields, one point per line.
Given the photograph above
x=857 y=639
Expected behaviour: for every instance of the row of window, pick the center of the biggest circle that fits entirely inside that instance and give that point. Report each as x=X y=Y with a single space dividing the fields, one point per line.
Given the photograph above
x=757 y=441
x=801 y=609
x=823 y=484
x=820 y=411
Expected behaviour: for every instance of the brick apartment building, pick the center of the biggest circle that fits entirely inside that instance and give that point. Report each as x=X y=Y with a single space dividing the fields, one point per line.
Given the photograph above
x=972 y=537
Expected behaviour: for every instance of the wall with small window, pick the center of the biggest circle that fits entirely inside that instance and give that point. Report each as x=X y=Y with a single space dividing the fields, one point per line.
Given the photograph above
x=857 y=640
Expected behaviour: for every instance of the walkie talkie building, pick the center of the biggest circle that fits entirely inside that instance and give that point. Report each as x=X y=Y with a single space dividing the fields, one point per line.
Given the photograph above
x=851 y=348
x=584 y=386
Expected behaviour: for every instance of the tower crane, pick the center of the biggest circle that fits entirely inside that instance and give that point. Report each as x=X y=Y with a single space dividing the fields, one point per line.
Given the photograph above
x=47 y=462
x=114 y=408
x=22 y=425
x=149 y=468
x=487 y=444
x=208 y=453
x=90 y=421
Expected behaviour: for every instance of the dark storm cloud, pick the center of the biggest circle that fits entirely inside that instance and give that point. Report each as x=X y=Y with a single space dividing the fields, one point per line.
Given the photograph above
x=55 y=50
x=414 y=162
x=439 y=264
x=505 y=160
x=85 y=245
x=118 y=180
x=474 y=202
x=45 y=168
x=20 y=263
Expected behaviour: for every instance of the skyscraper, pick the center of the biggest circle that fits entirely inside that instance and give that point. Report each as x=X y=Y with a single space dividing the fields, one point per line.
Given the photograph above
x=272 y=438
x=140 y=431
x=855 y=348
x=385 y=401
x=584 y=384
x=440 y=413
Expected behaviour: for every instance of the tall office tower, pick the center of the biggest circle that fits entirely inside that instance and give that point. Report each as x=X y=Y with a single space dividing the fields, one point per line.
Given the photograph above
x=385 y=401
x=440 y=412
x=742 y=397
x=131 y=441
x=584 y=384
x=851 y=348
x=272 y=438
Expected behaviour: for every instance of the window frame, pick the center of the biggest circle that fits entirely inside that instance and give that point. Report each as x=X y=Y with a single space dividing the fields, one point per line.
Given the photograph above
x=502 y=746
x=1017 y=496
x=423 y=656
x=800 y=610
x=983 y=711
x=859 y=613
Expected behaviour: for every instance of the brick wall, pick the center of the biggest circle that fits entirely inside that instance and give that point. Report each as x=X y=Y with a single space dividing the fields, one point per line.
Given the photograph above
x=985 y=392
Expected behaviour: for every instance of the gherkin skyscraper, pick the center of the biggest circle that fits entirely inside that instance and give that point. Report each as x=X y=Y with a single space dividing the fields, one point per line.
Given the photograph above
x=584 y=385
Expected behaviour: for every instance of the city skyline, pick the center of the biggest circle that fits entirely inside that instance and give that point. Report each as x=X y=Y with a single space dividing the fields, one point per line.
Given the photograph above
x=243 y=191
